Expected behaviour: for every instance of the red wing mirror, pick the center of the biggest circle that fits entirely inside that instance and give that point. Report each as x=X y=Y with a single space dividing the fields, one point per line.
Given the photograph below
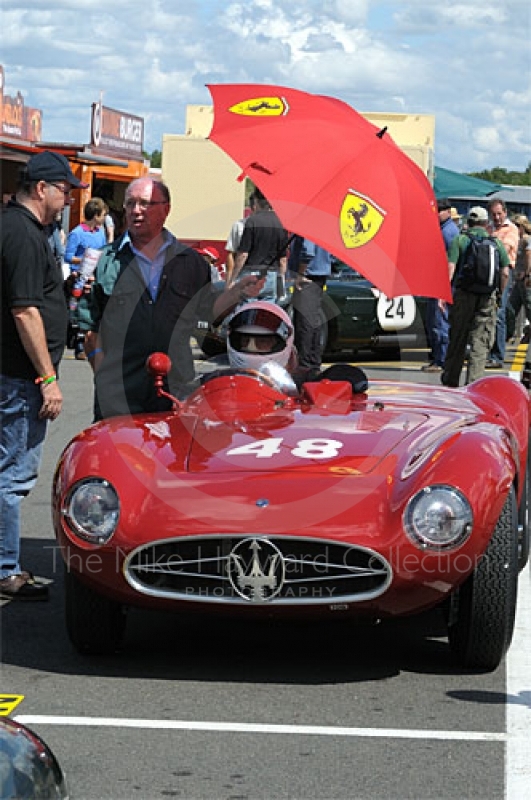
x=159 y=365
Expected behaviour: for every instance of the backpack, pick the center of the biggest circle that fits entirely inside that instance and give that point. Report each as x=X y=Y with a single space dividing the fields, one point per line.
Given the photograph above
x=479 y=271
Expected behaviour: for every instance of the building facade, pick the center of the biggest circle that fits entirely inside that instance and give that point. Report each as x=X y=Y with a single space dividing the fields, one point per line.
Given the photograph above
x=108 y=163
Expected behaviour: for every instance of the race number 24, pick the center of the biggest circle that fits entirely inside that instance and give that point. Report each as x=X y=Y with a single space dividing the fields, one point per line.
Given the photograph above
x=395 y=313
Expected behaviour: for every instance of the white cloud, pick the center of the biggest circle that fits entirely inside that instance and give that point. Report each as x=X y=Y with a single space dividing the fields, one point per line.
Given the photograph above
x=468 y=65
x=487 y=139
x=349 y=13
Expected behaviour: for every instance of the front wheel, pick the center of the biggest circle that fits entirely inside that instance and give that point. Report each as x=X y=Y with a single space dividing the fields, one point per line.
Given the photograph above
x=94 y=623
x=482 y=610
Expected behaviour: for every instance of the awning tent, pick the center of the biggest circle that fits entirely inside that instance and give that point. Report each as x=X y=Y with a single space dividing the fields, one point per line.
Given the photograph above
x=451 y=184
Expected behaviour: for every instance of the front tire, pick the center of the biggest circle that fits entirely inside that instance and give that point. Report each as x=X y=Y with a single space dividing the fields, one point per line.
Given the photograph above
x=94 y=623
x=523 y=518
x=482 y=610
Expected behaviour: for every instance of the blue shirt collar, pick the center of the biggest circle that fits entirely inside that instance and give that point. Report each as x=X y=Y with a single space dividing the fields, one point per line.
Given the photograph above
x=168 y=237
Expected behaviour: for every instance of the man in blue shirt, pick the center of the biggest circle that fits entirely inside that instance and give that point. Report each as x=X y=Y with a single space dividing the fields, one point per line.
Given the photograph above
x=312 y=266
x=436 y=319
x=149 y=291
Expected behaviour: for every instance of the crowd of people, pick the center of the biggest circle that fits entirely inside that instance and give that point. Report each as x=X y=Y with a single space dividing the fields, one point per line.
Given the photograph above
x=144 y=291
x=481 y=318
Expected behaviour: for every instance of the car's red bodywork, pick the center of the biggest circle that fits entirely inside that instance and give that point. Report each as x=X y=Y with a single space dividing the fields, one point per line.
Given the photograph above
x=239 y=460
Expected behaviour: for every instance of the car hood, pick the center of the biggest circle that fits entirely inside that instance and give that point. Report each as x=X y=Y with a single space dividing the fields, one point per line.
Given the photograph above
x=296 y=441
x=226 y=432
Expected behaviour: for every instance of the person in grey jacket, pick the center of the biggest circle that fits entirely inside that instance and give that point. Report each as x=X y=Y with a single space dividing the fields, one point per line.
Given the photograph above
x=149 y=290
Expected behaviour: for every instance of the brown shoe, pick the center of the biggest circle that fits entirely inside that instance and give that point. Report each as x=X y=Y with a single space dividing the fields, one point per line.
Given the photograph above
x=22 y=587
x=431 y=368
x=81 y=356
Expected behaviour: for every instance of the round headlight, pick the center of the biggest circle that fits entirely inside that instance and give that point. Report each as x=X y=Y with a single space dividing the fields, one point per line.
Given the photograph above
x=438 y=517
x=92 y=508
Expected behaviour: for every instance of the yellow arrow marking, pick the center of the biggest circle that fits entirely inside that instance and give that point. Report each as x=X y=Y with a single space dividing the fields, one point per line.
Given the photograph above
x=8 y=703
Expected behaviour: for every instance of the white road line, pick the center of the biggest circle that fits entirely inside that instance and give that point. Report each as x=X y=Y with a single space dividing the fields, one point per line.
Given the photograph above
x=244 y=727
x=518 y=689
x=518 y=758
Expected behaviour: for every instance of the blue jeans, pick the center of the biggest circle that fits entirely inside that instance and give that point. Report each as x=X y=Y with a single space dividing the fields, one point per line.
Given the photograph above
x=270 y=289
x=21 y=438
x=437 y=328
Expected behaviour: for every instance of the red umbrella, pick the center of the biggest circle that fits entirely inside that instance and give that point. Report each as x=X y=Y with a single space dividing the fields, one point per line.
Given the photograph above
x=334 y=178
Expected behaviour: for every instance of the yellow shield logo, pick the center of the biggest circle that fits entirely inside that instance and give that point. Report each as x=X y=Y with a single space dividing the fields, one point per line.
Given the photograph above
x=261 y=107
x=8 y=703
x=360 y=220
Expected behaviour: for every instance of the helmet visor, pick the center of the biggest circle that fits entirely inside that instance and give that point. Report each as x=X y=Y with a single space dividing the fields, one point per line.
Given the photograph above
x=261 y=343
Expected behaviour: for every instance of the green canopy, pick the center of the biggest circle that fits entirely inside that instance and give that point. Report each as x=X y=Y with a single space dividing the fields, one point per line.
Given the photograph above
x=455 y=184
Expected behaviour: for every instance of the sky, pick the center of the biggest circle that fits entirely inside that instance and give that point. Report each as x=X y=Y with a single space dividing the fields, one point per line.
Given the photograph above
x=467 y=63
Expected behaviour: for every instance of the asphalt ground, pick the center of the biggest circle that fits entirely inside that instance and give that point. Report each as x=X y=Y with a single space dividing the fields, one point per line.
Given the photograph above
x=232 y=711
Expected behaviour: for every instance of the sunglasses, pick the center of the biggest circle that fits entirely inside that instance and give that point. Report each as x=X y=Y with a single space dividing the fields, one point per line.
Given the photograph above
x=257 y=343
x=60 y=188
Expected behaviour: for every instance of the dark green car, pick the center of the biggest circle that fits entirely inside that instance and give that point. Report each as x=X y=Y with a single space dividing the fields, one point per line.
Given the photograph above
x=350 y=310
x=351 y=319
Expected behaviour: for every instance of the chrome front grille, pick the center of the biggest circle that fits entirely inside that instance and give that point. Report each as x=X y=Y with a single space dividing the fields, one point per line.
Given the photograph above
x=258 y=569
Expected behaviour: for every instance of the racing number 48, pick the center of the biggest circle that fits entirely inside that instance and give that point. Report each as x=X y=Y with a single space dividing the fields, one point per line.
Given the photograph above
x=305 y=448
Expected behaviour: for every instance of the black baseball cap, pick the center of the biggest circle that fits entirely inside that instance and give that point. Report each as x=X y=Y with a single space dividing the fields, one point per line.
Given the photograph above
x=49 y=166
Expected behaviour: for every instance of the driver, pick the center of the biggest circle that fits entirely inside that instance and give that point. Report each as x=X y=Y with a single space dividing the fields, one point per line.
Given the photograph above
x=260 y=337
x=259 y=333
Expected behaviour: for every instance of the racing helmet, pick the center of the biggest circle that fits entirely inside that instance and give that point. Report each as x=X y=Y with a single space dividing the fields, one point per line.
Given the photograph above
x=259 y=332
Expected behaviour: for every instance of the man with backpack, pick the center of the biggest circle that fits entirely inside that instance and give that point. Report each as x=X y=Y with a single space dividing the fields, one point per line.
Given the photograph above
x=479 y=269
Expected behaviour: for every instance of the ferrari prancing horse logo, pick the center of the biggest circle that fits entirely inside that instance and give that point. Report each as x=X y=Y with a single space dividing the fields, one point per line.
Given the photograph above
x=261 y=107
x=360 y=219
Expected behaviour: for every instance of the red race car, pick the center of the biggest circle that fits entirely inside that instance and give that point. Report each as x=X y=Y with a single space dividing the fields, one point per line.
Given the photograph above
x=260 y=501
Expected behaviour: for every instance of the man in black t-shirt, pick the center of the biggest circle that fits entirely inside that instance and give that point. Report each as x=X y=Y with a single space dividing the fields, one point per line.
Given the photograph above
x=262 y=247
x=32 y=340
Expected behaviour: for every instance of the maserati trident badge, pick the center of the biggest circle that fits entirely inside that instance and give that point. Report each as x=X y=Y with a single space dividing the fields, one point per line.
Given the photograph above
x=256 y=570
